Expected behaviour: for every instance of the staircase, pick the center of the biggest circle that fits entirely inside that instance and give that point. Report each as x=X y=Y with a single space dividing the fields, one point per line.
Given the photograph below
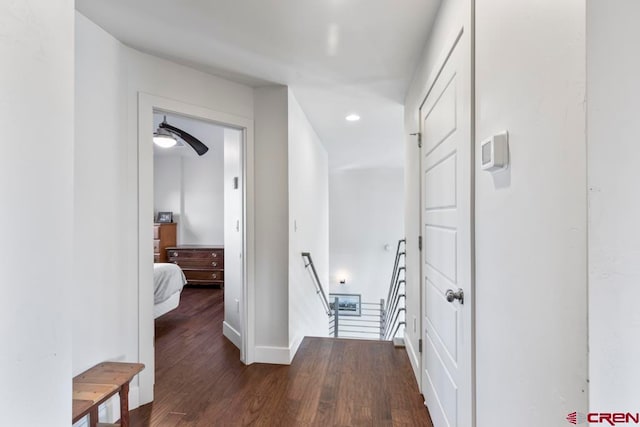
x=382 y=320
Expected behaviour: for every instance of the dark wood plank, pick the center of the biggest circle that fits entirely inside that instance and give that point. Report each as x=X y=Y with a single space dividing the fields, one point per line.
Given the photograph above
x=200 y=380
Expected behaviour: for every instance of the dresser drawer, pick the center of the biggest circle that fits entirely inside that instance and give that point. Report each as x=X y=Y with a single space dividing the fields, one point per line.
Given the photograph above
x=198 y=263
x=196 y=254
x=204 y=276
x=156 y=246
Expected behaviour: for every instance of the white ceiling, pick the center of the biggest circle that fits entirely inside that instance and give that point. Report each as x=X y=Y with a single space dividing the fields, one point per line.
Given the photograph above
x=338 y=57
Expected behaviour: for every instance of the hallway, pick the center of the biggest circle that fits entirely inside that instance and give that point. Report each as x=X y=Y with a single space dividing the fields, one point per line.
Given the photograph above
x=201 y=382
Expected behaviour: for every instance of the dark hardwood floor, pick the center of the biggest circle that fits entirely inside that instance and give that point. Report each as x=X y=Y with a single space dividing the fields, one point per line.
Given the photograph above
x=200 y=380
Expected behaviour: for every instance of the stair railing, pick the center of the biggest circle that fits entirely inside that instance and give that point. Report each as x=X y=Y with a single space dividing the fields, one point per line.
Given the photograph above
x=306 y=256
x=393 y=312
x=381 y=320
x=364 y=325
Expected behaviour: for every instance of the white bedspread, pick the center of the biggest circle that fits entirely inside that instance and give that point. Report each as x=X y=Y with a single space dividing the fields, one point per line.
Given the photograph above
x=168 y=279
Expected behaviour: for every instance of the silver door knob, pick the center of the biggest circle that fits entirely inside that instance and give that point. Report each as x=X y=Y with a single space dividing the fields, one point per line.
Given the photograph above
x=451 y=295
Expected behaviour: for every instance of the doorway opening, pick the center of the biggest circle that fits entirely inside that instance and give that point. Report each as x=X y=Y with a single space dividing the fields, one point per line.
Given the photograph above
x=208 y=199
x=197 y=211
x=366 y=224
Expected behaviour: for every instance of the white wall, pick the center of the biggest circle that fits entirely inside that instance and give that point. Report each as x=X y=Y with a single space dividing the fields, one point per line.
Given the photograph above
x=36 y=174
x=120 y=73
x=167 y=185
x=291 y=207
x=531 y=263
x=233 y=235
x=100 y=180
x=366 y=214
x=191 y=186
x=271 y=227
x=308 y=225
x=613 y=88
x=202 y=215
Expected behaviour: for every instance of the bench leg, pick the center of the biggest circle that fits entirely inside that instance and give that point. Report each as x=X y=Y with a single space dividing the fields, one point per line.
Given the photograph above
x=124 y=405
x=93 y=416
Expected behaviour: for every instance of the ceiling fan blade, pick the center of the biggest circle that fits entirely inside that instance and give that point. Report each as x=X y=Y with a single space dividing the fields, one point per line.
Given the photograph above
x=194 y=142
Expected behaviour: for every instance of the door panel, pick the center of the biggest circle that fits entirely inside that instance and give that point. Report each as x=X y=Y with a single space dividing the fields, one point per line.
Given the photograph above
x=440 y=188
x=442 y=117
x=440 y=250
x=446 y=183
x=443 y=406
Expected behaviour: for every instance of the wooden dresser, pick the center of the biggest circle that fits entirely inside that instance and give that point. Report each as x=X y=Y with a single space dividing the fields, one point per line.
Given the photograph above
x=202 y=265
x=164 y=235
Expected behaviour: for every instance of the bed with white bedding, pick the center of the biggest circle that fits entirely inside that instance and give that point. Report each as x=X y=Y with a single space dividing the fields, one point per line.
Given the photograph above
x=168 y=281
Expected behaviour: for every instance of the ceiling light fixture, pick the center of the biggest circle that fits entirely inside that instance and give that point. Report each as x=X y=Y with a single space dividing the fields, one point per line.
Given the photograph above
x=163 y=138
x=352 y=118
x=166 y=134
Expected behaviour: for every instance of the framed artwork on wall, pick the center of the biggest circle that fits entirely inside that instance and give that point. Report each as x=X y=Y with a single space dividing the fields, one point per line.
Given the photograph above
x=348 y=304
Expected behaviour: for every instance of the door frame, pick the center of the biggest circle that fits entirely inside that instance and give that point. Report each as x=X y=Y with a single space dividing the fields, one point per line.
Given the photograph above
x=452 y=42
x=147 y=103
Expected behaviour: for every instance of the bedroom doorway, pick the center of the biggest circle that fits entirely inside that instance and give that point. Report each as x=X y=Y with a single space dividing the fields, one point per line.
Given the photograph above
x=205 y=196
x=197 y=211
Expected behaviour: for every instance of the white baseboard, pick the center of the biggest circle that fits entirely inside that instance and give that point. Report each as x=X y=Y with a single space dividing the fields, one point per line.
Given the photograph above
x=414 y=358
x=277 y=355
x=233 y=335
x=398 y=341
x=293 y=347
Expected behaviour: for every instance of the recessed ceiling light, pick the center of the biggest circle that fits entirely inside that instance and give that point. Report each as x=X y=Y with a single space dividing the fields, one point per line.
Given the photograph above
x=352 y=118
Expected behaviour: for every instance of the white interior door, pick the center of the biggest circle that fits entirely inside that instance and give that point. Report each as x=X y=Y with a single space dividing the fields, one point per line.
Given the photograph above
x=446 y=186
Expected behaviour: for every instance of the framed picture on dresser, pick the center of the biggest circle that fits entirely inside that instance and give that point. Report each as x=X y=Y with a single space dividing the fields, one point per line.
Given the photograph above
x=164 y=217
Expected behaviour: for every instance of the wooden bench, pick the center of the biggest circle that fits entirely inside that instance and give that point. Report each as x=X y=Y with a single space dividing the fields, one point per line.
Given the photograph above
x=94 y=386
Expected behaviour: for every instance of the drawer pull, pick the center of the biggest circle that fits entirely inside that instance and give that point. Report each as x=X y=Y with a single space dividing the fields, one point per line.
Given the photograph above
x=175 y=254
x=215 y=264
x=214 y=275
x=215 y=255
